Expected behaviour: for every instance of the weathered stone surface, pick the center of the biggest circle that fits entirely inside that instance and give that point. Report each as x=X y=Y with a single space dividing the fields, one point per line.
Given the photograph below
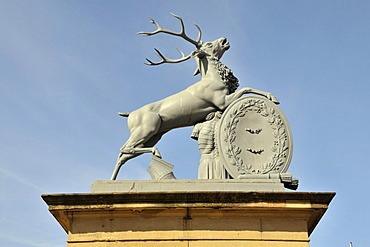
x=177 y=219
x=223 y=243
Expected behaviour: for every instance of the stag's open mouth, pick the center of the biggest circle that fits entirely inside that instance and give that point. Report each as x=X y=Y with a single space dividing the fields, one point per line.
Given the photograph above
x=225 y=44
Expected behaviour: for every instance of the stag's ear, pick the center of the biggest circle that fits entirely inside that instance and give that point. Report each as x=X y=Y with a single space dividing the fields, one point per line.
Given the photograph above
x=199 y=54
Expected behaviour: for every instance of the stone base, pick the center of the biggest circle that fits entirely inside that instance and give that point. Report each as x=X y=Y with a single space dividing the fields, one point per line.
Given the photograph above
x=199 y=185
x=189 y=219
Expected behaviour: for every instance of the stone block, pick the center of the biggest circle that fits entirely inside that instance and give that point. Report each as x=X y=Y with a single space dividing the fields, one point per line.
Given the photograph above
x=199 y=185
x=188 y=218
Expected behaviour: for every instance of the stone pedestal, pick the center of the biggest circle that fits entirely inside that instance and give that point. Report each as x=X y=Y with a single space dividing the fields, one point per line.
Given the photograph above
x=188 y=218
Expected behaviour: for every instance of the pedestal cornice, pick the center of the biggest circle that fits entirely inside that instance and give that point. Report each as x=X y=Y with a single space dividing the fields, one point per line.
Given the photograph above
x=307 y=206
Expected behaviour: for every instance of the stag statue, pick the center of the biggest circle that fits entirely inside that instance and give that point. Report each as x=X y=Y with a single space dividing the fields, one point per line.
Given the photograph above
x=213 y=92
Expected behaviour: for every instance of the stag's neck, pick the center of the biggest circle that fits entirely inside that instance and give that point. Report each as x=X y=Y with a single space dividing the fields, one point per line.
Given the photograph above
x=213 y=69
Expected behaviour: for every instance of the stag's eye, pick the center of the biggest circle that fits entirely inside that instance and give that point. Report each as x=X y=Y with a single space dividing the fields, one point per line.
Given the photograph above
x=208 y=44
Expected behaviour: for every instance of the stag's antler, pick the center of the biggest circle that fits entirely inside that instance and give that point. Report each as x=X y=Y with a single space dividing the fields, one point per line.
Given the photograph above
x=167 y=60
x=160 y=29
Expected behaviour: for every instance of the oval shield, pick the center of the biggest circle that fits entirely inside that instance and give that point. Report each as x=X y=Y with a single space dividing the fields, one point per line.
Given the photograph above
x=254 y=138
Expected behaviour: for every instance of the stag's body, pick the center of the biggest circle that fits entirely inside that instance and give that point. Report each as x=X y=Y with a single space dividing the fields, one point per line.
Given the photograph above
x=214 y=92
x=187 y=107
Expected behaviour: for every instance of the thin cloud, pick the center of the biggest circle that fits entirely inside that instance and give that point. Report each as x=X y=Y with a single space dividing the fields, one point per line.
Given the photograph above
x=21 y=180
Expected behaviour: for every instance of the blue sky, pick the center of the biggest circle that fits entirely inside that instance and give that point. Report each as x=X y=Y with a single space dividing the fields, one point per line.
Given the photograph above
x=68 y=67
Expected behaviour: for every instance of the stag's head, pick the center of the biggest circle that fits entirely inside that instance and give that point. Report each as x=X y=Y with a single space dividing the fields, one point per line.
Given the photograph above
x=214 y=49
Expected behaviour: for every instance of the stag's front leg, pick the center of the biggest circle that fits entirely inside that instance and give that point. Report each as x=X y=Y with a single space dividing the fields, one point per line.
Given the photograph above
x=230 y=98
x=234 y=96
x=268 y=95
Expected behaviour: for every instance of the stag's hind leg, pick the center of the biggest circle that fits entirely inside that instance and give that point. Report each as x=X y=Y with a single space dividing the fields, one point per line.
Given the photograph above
x=144 y=129
x=122 y=158
x=146 y=148
x=143 y=126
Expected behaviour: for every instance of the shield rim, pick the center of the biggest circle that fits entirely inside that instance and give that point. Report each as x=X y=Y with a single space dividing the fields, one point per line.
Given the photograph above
x=269 y=103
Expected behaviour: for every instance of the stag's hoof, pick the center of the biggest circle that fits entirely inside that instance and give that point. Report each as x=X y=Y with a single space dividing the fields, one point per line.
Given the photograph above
x=117 y=167
x=114 y=175
x=157 y=153
x=273 y=99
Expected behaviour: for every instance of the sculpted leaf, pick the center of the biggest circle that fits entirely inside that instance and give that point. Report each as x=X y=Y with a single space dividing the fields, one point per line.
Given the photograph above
x=232 y=161
x=275 y=134
x=283 y=144
x=280 y=162
x=232 y=138
x=278 y=121
x=264 y=113
x=264 y=166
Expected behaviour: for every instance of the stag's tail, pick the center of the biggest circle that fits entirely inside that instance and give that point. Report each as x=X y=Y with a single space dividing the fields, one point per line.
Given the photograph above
x=124 y=114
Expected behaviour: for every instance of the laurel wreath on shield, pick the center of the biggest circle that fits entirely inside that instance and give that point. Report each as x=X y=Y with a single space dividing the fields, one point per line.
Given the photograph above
x=280 y=146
